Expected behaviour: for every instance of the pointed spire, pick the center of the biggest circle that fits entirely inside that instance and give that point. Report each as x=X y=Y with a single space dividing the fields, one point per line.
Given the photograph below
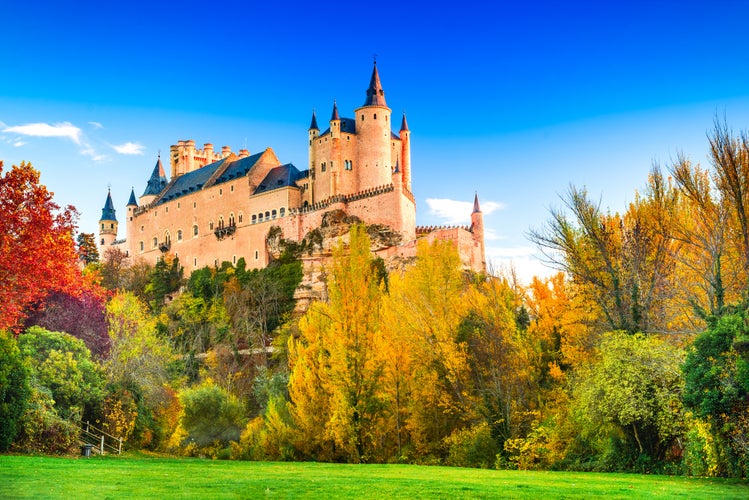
x=157 y=182
x=335 y=116
x=313 y=125
x=404 y=123
x=375 y=94
x=132 y=201
x=107 y=213
x=476 y=208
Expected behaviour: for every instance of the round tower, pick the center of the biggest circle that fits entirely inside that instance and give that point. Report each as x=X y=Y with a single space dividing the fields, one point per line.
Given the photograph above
x=374 y=159
x=405 y=161
x=478 y=257
x=107 y=224
x=313 y=132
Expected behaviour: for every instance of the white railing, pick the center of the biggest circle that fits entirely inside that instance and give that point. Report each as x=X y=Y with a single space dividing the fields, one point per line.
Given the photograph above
x=100 y=440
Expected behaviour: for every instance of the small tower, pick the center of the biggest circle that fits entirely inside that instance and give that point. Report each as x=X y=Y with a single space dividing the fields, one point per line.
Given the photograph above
x=107 y=224
x=156 y=184
x=314 y=132
x=478 y=257
x=405 y=163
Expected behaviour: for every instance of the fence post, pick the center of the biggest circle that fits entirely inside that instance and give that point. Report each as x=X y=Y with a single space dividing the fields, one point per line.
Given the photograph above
x=102 y=444
x=119 y=450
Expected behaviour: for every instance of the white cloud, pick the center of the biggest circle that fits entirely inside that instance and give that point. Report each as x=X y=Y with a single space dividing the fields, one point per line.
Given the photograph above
x=129 y=148
x=525 y=261
x=96 y=125
x=458 y=212
x=64 y=129
x=19 y=143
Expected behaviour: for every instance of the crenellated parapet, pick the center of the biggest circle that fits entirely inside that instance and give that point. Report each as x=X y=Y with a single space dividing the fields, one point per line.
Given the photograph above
x=343 y=198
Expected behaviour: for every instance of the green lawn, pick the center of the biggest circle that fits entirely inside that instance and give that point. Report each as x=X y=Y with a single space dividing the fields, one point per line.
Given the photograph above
x=151 y=477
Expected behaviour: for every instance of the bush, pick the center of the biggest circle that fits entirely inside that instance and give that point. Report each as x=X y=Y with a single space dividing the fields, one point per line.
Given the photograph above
x=42 y=430
x=210 y=416
x=472 y=447
x=14 y=389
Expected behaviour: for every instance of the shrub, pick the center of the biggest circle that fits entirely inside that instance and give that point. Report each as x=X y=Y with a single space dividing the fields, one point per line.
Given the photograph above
x=14 y=389
x=472 y=447
x=210 y=415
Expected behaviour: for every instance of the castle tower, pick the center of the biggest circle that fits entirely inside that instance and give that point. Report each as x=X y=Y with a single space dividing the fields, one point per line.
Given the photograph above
x=314 y=132
x=132 y=206
x=334 y=162
x=374 y=160
x=405 y=160
x=478 y=259
x=156 y=184
x=107 y=224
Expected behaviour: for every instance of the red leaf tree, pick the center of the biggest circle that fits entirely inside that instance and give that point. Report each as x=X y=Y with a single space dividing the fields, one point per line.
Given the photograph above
x=37 y=250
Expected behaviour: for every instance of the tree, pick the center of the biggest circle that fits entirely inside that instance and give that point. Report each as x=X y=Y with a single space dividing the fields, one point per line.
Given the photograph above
x=210 y=416
x=87 y=251
x=166 y=278
x=335 y=357
x=622 y=262
x=717 y=389
x=34 y=235
x=635 y=386
x=14 y=389
x=62 y=365
x=81 y=316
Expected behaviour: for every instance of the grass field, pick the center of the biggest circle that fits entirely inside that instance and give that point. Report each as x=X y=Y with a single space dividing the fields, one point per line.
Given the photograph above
x=155 y=477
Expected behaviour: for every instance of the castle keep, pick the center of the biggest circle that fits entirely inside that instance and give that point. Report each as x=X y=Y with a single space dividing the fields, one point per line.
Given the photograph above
x=221 y=206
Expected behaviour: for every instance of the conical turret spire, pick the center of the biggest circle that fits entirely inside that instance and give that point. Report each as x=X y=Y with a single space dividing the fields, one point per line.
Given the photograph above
x=107 y=213
x=375 y=94
x=335 y=116
x=132 y=201
x=157 y=182
x=313 y=125
x=404 y=123
x=476 y=207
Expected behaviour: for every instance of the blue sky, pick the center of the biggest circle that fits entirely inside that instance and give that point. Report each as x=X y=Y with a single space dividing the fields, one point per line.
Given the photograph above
x=514 y=100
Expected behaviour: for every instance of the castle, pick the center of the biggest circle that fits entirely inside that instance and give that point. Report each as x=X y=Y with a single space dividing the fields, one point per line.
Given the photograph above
x=221 y=206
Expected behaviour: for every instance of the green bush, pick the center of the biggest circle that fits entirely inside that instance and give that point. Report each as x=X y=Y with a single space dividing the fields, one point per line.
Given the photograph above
x=42 y=430
x=210 y=416
x=472 y=447
x=14 y=389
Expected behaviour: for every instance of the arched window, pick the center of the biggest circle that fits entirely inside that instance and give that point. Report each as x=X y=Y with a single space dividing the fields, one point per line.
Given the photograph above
x=155 y=242
x=254 y=218
x=195 y=230
x=179 y=235
x=239 y=217
x=210 y=226
x=282 y=212
x=167 y=238
x=141 y=246
x=273 y=214
x=102 y=241
x=231 y=219
x=267 y=215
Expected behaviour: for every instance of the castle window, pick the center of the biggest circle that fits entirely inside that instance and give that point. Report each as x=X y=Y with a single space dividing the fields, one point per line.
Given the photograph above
x=240 y=218
x=167 y=238
x=210 y=226
x=273 y=214
x=141 y=246
x=179 y=235
x=260 y=217
x=267 y=215
x=155 y=242
x=231 y=219
x=232 y=188
x=254 y=218
x=386 y=117
x=194 y=262
x=142 y=228
x=234 y=259
x=111 y=226
x=348 y=137
x=347 y=164
x=178 y=205
x=220 y=192
x=282 y=212
x=166 y=209
x=322 y=167
x=257 y=256
x=195 y=230
x=194 y=204
x=221 y=221
x=102 y=241
x=362 y=117
x=374 y=116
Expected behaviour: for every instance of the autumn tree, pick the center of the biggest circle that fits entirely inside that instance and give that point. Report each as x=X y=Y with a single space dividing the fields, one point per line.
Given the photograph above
x=621 y=261
x=335 y=370
x=37 y=251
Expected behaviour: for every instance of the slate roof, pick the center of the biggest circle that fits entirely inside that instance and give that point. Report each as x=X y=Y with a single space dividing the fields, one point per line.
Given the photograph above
x=132 y=201
x=157 y=182
x=107 y=213
x=348 y=126
x=239 y=168
x=190 y=182
x=313 y=125
x=375 y=93
x=278 y=177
